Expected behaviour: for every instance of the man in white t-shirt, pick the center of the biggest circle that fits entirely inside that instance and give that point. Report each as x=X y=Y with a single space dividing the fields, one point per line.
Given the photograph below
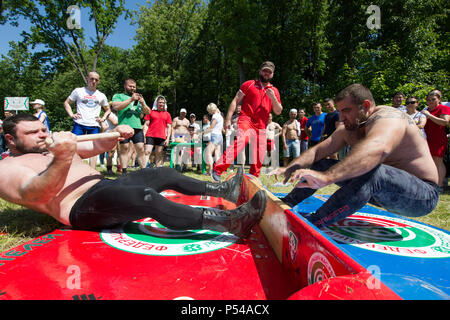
x=89 y=101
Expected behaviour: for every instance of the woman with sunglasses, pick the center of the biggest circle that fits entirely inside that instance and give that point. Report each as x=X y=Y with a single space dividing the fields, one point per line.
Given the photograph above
x=438 y=116
x=419 y=118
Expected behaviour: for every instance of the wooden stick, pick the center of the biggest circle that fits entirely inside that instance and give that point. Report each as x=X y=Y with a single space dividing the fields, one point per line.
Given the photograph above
x=90 y=137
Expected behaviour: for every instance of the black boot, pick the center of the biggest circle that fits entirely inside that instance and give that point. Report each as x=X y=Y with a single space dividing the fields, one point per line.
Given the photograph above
x=238 y=221
x=228 y=190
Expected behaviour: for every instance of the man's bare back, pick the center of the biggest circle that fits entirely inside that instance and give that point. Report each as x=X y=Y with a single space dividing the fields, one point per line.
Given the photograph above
x=384 y=135
x=410 y=150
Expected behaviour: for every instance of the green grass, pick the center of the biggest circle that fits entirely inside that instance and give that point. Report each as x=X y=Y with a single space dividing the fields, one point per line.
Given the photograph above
x=19 y=225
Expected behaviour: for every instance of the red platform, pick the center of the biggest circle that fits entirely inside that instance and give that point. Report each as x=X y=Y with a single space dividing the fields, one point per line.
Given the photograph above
x=144 y=261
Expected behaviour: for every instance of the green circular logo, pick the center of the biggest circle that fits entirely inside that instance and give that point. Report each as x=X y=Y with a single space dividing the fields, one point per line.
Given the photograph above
x=149 y=237
x=391 y=236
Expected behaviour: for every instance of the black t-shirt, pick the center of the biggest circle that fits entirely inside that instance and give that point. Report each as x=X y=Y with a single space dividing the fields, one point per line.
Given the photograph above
x=330 y=122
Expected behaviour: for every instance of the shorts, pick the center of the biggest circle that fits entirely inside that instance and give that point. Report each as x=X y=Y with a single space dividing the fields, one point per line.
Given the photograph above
x=80 y=129
x=138 y=137
x=155 y=141
x=270 y=145
x=216 y=138
x=293 y=146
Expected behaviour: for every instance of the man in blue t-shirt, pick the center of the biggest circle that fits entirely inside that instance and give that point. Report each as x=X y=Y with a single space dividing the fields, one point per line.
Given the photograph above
x=315 y=125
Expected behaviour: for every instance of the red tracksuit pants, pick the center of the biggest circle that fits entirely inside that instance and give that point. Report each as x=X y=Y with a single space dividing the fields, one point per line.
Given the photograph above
x=247 y=133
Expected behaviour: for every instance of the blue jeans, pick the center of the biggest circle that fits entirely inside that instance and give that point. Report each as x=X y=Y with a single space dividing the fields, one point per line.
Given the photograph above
x=303 y=146
x=293 y=146
x=393 y=189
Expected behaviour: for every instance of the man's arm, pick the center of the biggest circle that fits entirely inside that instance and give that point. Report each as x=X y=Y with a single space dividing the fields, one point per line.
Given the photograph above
x=283 y=135
x=277 y=108
x=68 y=108
x=382 y=136
x=105 y=114
x=145 y=109
x=120 y=105
x=24 y=185
x=384 y=133
x=88 y=149
x=320 y=151
x=232 y=108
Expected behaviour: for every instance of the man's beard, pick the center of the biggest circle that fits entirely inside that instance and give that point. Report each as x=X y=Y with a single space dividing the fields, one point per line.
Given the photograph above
x=263 y=79
x=23 y=149
x=359 y=123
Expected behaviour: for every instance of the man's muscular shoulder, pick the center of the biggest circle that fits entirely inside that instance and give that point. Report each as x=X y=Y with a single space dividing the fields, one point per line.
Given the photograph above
x=385 y=113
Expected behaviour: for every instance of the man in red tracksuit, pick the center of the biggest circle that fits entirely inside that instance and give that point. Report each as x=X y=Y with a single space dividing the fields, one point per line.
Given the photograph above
x=257 y=98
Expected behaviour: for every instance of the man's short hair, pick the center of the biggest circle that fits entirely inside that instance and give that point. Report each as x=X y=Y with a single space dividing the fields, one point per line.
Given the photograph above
x=94 y=72
x=398 y=93
x=129 y=80
x=9 y=124
x=327 y=100
x=357 y=93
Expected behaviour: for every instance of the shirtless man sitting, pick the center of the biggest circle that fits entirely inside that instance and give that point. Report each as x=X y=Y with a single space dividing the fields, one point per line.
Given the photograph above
x=389 y=165
x=54 y=180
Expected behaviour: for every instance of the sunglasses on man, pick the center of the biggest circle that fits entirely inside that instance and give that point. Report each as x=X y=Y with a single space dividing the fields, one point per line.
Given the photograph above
x=410 y=102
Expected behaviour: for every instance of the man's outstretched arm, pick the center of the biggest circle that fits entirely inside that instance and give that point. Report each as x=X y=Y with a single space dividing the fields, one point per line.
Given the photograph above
x=21 y=184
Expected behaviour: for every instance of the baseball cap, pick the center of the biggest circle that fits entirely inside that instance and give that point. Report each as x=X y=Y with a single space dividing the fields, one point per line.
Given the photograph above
x=293 y=110
x=267 y=65
x=183 y=110
x=38 y=101
x=192 y=115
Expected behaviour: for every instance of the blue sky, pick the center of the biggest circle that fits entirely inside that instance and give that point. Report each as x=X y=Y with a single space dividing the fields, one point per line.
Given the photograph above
x=122 y=35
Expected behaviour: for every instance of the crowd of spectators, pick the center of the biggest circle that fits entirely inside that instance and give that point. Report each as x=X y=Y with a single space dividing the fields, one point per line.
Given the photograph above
x=156 y=131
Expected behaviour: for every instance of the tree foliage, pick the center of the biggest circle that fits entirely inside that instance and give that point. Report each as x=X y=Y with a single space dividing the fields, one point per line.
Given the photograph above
x=50 y=27
x=195 y=52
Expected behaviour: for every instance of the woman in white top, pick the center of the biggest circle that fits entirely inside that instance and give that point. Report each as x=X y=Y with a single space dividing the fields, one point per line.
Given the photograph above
x=419 y=118
x=215 y=144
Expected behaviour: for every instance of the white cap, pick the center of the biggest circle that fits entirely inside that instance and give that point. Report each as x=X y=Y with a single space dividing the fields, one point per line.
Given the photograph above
x=38 y=101
x=293 y=110
x=183 y=110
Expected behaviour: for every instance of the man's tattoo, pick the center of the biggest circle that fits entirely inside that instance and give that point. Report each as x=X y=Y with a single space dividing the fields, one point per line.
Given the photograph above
x=390 y=114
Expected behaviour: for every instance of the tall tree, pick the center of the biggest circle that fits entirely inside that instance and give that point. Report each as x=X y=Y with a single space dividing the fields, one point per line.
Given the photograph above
x=240 y=24
x=53 y=26
x=167 y=31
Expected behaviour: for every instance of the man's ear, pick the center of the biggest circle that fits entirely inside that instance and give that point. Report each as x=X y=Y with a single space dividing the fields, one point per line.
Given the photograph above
x=366 y=105
x=9 y=139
